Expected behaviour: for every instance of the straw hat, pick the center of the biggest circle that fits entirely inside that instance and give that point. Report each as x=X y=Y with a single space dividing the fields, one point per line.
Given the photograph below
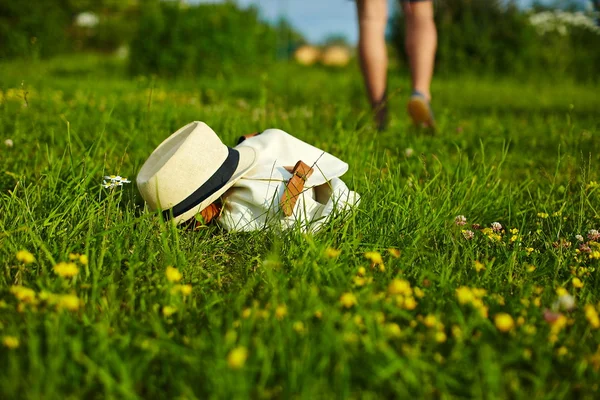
x=189 y=170
x=336 y=56
x=307 y=55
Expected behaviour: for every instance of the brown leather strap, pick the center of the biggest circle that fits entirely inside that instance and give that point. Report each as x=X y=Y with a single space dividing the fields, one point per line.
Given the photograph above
x=300 y=173
x=208 y=214
x=248 y=136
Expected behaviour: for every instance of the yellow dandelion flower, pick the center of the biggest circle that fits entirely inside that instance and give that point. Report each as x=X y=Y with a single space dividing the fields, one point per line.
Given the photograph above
x=361 y=271
x=504 y=322
x=246 y=313
x=542 y=215
x=83 y=259
x=430 y=321
x=393 y=330
x=280 y=312
x=348 y=300
x=440 y=336
x=499 y=299
x=185 y=290
x=594 y=255
x=410 y=303
x=514 y=231
x=173 y=274
x=529 y=250
x=73 y=256
x=168 y=311
x=400 y=286
x=25 y=257
x=237 y=357
x=530 y=268
x=68 y=302
x=577 y=283
x=26 y=295
x=10 y=341
x=298 y=327
x=478 y=265
x=464 y=295
x=592 y=316
x=561 y=292
x=66 y=270
x=529 y=329
x=318 y=314
x=562 y=351
x=330 y=252
x=394 y=252
x=399 y=301
x=360 y=281
x=419 y=294
x=374 y=257
x=479 y=292
x=457 y=332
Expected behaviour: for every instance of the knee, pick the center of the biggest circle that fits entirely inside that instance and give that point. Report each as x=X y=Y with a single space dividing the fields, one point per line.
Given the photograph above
x=420 y=11
x=372 y=10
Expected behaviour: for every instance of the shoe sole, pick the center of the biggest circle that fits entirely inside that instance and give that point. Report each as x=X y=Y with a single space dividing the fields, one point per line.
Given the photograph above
x=419 y=112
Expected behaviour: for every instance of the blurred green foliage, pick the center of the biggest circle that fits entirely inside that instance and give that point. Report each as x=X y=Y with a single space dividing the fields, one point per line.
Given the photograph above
x=205 y=39
x=32 y=29
x=495 y=37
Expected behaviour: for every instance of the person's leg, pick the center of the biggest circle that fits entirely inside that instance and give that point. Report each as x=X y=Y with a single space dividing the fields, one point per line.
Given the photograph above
x=421 y=43
x=372 y=21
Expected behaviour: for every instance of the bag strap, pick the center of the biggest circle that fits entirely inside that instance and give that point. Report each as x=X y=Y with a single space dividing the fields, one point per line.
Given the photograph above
x=294 y=187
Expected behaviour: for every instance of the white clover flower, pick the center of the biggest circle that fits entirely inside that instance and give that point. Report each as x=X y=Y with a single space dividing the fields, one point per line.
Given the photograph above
x=496 y=226
x=112 y=181
x=87 y=20
x=579 y=238
x=566 y=302
x=593 y=234
x=468 y=234
x=460 y=220
x=408 y=152
x=8 y=143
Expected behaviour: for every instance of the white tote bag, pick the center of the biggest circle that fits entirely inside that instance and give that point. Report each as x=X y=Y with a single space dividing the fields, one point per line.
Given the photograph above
x=255 y=201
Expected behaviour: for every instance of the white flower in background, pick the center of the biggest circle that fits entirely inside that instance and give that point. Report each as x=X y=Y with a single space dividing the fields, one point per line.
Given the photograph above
x=496 y=226
x=112 y=181
x=86 y=20
x=560 y=22
x=460 y=220
x=468 y=234
x=8 y=143
x=408 y=152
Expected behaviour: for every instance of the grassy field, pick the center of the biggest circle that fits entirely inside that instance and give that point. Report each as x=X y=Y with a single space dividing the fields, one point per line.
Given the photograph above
x=398 y=300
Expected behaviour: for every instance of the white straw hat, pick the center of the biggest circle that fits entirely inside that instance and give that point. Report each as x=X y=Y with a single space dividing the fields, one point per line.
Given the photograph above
x=190 y=170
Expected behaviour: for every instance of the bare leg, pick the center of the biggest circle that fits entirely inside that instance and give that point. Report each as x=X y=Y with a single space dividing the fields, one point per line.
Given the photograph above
x=421 y=43
x=372 y=20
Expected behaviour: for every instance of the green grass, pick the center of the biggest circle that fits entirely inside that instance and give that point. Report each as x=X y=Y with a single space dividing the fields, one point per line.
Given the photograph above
x=505 y=151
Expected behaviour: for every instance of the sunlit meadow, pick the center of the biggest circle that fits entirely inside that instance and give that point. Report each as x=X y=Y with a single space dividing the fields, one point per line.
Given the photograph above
x=470 y=268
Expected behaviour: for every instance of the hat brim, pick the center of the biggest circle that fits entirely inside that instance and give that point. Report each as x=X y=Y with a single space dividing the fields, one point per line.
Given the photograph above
x=247 y=160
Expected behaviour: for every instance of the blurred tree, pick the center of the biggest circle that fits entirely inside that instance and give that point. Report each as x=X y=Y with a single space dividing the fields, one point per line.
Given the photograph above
x=205 y=39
